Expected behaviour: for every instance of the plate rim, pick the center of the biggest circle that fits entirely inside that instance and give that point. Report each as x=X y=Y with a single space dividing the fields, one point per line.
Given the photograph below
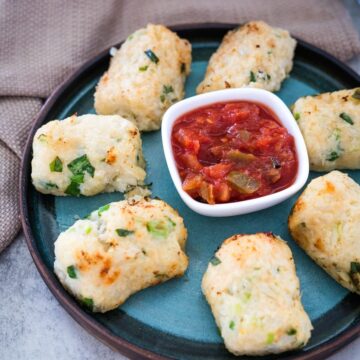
x=77 y=313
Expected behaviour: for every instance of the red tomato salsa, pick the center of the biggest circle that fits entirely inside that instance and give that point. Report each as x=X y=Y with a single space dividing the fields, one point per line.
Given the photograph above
x=233 y=151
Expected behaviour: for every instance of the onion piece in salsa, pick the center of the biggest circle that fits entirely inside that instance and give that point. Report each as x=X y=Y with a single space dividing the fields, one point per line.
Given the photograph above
x=233 y=151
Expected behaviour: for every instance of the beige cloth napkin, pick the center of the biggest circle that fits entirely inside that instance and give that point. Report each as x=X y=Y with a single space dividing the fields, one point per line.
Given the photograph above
x=42 y=42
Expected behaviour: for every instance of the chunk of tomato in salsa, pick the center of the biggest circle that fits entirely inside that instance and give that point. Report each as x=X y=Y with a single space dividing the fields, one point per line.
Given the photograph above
x=234 y=151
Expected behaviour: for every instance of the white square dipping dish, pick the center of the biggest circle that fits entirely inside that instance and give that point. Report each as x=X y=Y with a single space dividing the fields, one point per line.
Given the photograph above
x=262 y=97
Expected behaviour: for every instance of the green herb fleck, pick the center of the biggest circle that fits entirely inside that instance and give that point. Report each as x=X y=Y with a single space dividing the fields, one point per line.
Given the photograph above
x=232 y=325
x=88 y=230
x=269 y=52
x=143 y=68
x=73 y=188
x=50 y=185
x=333 y=156
x=247 y=296
x=167 y=89
x=252 y=77
x=215 y=261
x=151 y=55
x=354 y=267
x=356 y=94
x=124 y=232
x=71 y=272
x=297 y=116
x=56 y=165
x=80 y=165
x=346 y=118
x=182 y=68
x=337 y=134
x=87 y=303
x=162 y=98
x=42 y=137
x=291 y=332
x=270 y=338
x=130 y=37
x=103 y=208
x=160 y=228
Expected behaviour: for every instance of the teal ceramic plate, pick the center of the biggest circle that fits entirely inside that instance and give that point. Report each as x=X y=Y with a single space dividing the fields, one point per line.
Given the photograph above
x=173 y=320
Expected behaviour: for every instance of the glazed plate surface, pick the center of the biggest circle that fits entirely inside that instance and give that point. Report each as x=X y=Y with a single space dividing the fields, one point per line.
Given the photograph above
x=173 y=320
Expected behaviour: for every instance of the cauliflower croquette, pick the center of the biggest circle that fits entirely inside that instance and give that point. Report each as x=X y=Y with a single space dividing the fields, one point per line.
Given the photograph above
x=146 y=76
x=254 y=55
x=330 y=124
x=253 y=291
x=325 y=222
x=119 y=249
x=87 y=155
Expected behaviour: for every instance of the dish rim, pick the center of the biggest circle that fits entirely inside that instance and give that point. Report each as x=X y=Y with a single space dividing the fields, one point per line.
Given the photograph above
x=253 y=95
x=78 y=314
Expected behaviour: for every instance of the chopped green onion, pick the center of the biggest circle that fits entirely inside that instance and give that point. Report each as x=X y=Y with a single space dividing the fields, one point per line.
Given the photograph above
x=270 y=338
x=87 y=303
x=297 y=116
x=252 y=77
x=215 y=261
x=354 y=267
x=151 y=55
x=356 y=94
x=346 y=118
x=80 y=165
x=160 y=228
x=73 y=189
x=167 y=89
x=78 y=179
x=143 y=68
x=232 y=325
x=42 y=137
x=50 y=185
x=88 y=230
x=71 y=272
x=291 y=332
x=337 y=133
x=333 y=156
x=171 y=222
x=56 y=165
x=124 y=232
x=247 y=296
x=103 y=208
